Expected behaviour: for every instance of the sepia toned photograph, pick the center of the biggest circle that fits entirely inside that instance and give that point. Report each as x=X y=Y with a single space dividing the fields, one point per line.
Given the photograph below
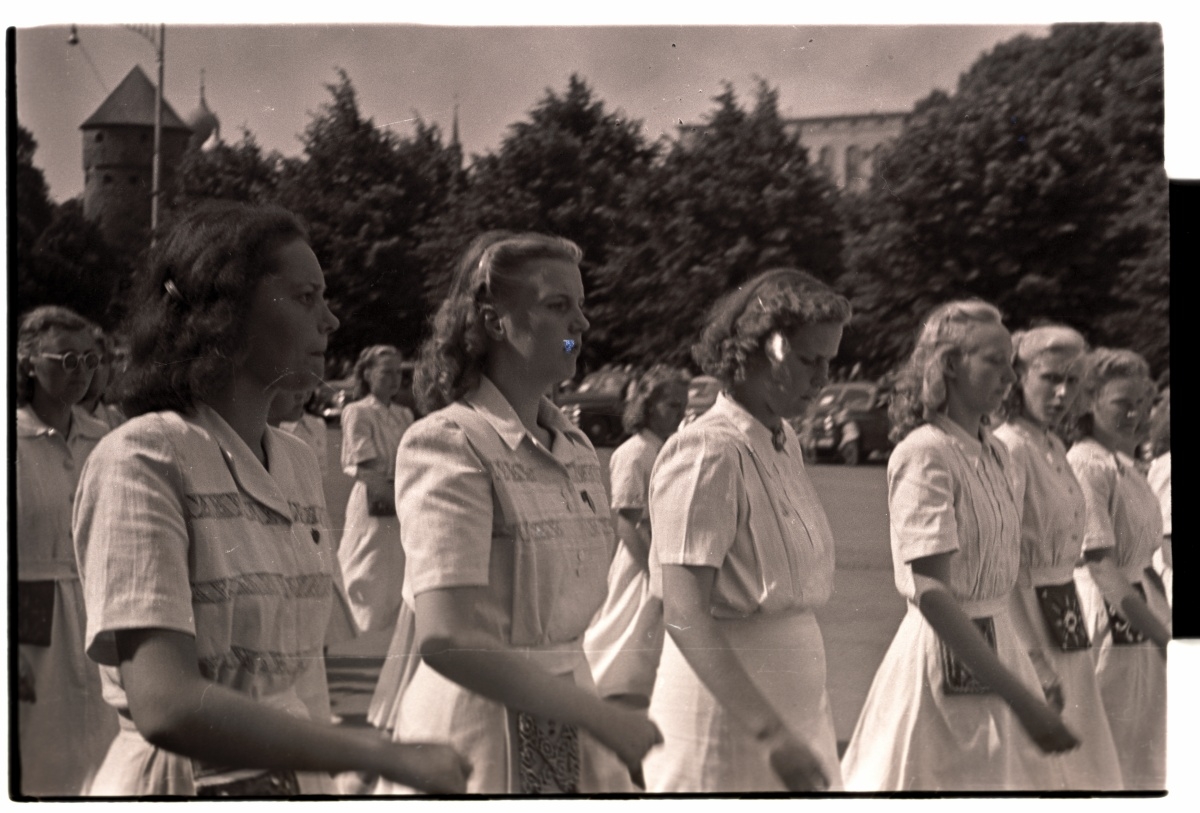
x=499 y=405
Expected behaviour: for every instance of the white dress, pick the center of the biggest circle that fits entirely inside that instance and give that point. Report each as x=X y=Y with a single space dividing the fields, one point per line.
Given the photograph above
x=624 y=642
x=947 y=493
x=1123 y=516
x=1159 y=477
x=369 y=552
x=1052 y=523
x=721 y=496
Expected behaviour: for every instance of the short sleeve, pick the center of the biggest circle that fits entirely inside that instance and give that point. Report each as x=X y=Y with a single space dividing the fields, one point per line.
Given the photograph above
x=358 y=437
x=444 y=501
x=1099 y=485
x=921 y=501
x=629 y=474
x=695 y=488
x=131 y=538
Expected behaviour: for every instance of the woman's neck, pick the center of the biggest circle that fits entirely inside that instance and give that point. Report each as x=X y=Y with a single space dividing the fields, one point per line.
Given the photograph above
x=969 y=419
x=522 y=394
x=752 y=399
x=52 y=412
x=244 y=407
x=1114 y=442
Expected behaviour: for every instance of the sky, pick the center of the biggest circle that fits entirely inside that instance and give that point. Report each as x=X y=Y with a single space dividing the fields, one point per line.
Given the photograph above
x=270 y=79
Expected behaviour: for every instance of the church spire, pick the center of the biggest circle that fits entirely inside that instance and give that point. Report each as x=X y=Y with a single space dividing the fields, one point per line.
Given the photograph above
x=454 y=125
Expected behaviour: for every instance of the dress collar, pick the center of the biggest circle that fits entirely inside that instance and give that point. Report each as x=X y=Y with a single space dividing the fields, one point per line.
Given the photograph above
x=488 y=401
x=750 y=426
x=83 y=425
x=974 y=446
x=250 y=474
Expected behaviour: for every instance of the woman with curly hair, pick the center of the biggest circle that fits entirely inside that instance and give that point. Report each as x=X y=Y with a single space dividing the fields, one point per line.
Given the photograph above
x=956 y=703
x=508 y=535
x=371 y=558
x=1127 y=622
x=63 y=724
x=742 y=554
x=1044 y=606
x=624 y=642
x=201 y=532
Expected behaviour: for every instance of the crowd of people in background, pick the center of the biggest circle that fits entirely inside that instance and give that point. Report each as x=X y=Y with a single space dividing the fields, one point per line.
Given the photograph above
x=557 y=631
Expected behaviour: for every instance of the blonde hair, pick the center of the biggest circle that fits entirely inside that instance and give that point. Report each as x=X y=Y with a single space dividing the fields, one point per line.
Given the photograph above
x=368 y=358
x=921 y=384
x=1028 y=347
x=1097 y=368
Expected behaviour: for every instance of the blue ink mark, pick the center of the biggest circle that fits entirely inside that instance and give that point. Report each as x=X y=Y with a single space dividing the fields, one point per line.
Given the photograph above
x=568 y=345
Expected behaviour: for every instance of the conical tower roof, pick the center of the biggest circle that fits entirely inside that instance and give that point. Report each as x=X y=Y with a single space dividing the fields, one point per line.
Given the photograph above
x=132 y=103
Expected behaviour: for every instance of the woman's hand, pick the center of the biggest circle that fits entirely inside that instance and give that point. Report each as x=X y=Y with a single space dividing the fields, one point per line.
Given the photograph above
x=628 y=733
x=427 y=766
x=1047 y=729
x=796 y=765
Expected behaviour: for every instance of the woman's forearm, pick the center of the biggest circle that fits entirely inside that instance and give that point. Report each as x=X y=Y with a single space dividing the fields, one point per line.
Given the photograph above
x=1120 y=593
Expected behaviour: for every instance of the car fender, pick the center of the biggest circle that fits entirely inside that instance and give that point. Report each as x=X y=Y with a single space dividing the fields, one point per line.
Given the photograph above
x=850 y=431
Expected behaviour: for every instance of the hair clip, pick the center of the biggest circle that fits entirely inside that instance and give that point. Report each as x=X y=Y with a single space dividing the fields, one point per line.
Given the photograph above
x=173 y=291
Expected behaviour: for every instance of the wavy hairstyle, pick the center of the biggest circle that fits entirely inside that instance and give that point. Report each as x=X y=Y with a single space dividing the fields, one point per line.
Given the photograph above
x=189 y=312
x=1160 y=424
x=1097 y=368
x=1028 y=346
x=452 y=359
x=920 y=388
x=782 y=299
x=34 y=326
x=646 y=392
x=367 y=359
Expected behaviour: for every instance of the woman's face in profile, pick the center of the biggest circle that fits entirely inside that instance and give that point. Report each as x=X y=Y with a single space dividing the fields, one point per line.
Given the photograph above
x=543 y=319
x=800 y=365
x=289 y=322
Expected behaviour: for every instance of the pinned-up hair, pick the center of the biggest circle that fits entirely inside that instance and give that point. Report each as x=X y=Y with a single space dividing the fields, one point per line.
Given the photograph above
x=779 y=300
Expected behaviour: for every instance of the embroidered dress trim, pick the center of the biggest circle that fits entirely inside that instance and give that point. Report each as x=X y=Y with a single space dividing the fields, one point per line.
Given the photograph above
x=956 y=677
x=1124 y=633
x=547 y=754
x=316 y=585
x=1063 y=615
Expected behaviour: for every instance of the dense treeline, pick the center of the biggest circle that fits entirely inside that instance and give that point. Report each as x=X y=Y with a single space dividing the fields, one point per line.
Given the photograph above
x=1038 y=184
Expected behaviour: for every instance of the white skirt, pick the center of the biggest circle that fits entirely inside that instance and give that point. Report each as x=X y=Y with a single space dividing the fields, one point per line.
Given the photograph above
x=912 y=736
x=706 y=750
x=372 y=562
x=625 y=640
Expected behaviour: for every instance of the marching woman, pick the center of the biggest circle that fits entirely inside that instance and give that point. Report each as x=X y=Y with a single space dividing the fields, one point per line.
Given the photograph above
x=201 y=533
x=956 y=703
x=624 y=643
x=1045 y=606
x=371 y=558
x=508 y=536
x=64 y=726
x=1127 y=622
x=742 y=553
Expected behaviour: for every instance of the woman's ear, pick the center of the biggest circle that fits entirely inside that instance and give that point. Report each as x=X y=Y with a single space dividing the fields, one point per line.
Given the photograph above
x=491 y=322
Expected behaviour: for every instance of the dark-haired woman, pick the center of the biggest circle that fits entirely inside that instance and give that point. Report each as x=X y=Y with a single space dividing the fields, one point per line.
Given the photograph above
x=63 y=725
x=1044 y=605
x=624 y=643
x=369 y=551
x=956 y=703
x=201 y=532
x=742 y=553
x=1127 y=615
x=508 y=536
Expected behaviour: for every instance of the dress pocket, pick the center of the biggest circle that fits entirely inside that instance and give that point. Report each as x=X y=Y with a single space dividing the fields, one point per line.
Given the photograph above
x=1063 y=615
x=1124 y=633
x=956 y=677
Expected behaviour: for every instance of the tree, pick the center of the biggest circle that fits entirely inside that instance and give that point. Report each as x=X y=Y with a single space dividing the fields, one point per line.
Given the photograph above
x=33 y=210
x=230 y=171
x=1038 y=185
x=736 y=197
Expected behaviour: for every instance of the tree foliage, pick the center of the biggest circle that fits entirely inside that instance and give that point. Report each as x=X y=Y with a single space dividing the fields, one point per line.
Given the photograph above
x=238 y=172
x=1038 y=185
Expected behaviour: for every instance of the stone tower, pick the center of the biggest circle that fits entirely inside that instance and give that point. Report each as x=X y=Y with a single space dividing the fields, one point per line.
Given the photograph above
x=118 y=160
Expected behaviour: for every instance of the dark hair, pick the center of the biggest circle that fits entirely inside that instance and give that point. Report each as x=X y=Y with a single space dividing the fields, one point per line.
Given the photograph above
x=920 y=387
x=366 y=360
x=1098 y=367
x=782 y=299
x=34 y=326
x=646 y=392
x=188 y=317
x=451 y=360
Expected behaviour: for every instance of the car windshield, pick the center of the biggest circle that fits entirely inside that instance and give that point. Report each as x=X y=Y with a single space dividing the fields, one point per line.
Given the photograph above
x=603 y=382
x=857 y=398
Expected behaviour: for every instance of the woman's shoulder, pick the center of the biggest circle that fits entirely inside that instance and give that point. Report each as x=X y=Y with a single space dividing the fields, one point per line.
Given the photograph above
x=154 y=430
x=1089 y=453
x=927 y=440
x=712 y=439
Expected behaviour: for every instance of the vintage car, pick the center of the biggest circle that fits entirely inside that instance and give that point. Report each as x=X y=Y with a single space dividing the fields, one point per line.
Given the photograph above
x=848 y=422
x=597 y=404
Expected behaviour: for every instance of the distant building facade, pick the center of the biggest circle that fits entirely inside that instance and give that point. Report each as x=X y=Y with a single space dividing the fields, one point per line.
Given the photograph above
x=118 y=159
x=845 y=148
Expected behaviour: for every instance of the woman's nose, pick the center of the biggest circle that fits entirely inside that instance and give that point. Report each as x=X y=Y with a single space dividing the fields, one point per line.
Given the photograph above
x=331 y=322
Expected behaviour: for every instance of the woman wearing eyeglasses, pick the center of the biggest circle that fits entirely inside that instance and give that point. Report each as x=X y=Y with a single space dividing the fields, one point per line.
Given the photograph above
x=64 y=725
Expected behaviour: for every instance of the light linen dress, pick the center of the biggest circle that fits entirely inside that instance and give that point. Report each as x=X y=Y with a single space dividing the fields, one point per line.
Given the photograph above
x=369 y=552
x=1052 y=523
x=483 y=504
x=179 y=527
x=64 y=735
x=721 y=496
x=1123 y=515
x=948 y=492
x=624 y=643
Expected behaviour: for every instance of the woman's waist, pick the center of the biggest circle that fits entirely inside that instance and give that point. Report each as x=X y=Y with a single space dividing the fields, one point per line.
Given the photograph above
x=560 y=658
x=1047 y=574
x=983 y=607
x=750 y=630
x=47 y=569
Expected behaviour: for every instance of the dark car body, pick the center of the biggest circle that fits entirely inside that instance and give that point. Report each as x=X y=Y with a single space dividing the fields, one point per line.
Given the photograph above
x=597 y=404
x=848 y=422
